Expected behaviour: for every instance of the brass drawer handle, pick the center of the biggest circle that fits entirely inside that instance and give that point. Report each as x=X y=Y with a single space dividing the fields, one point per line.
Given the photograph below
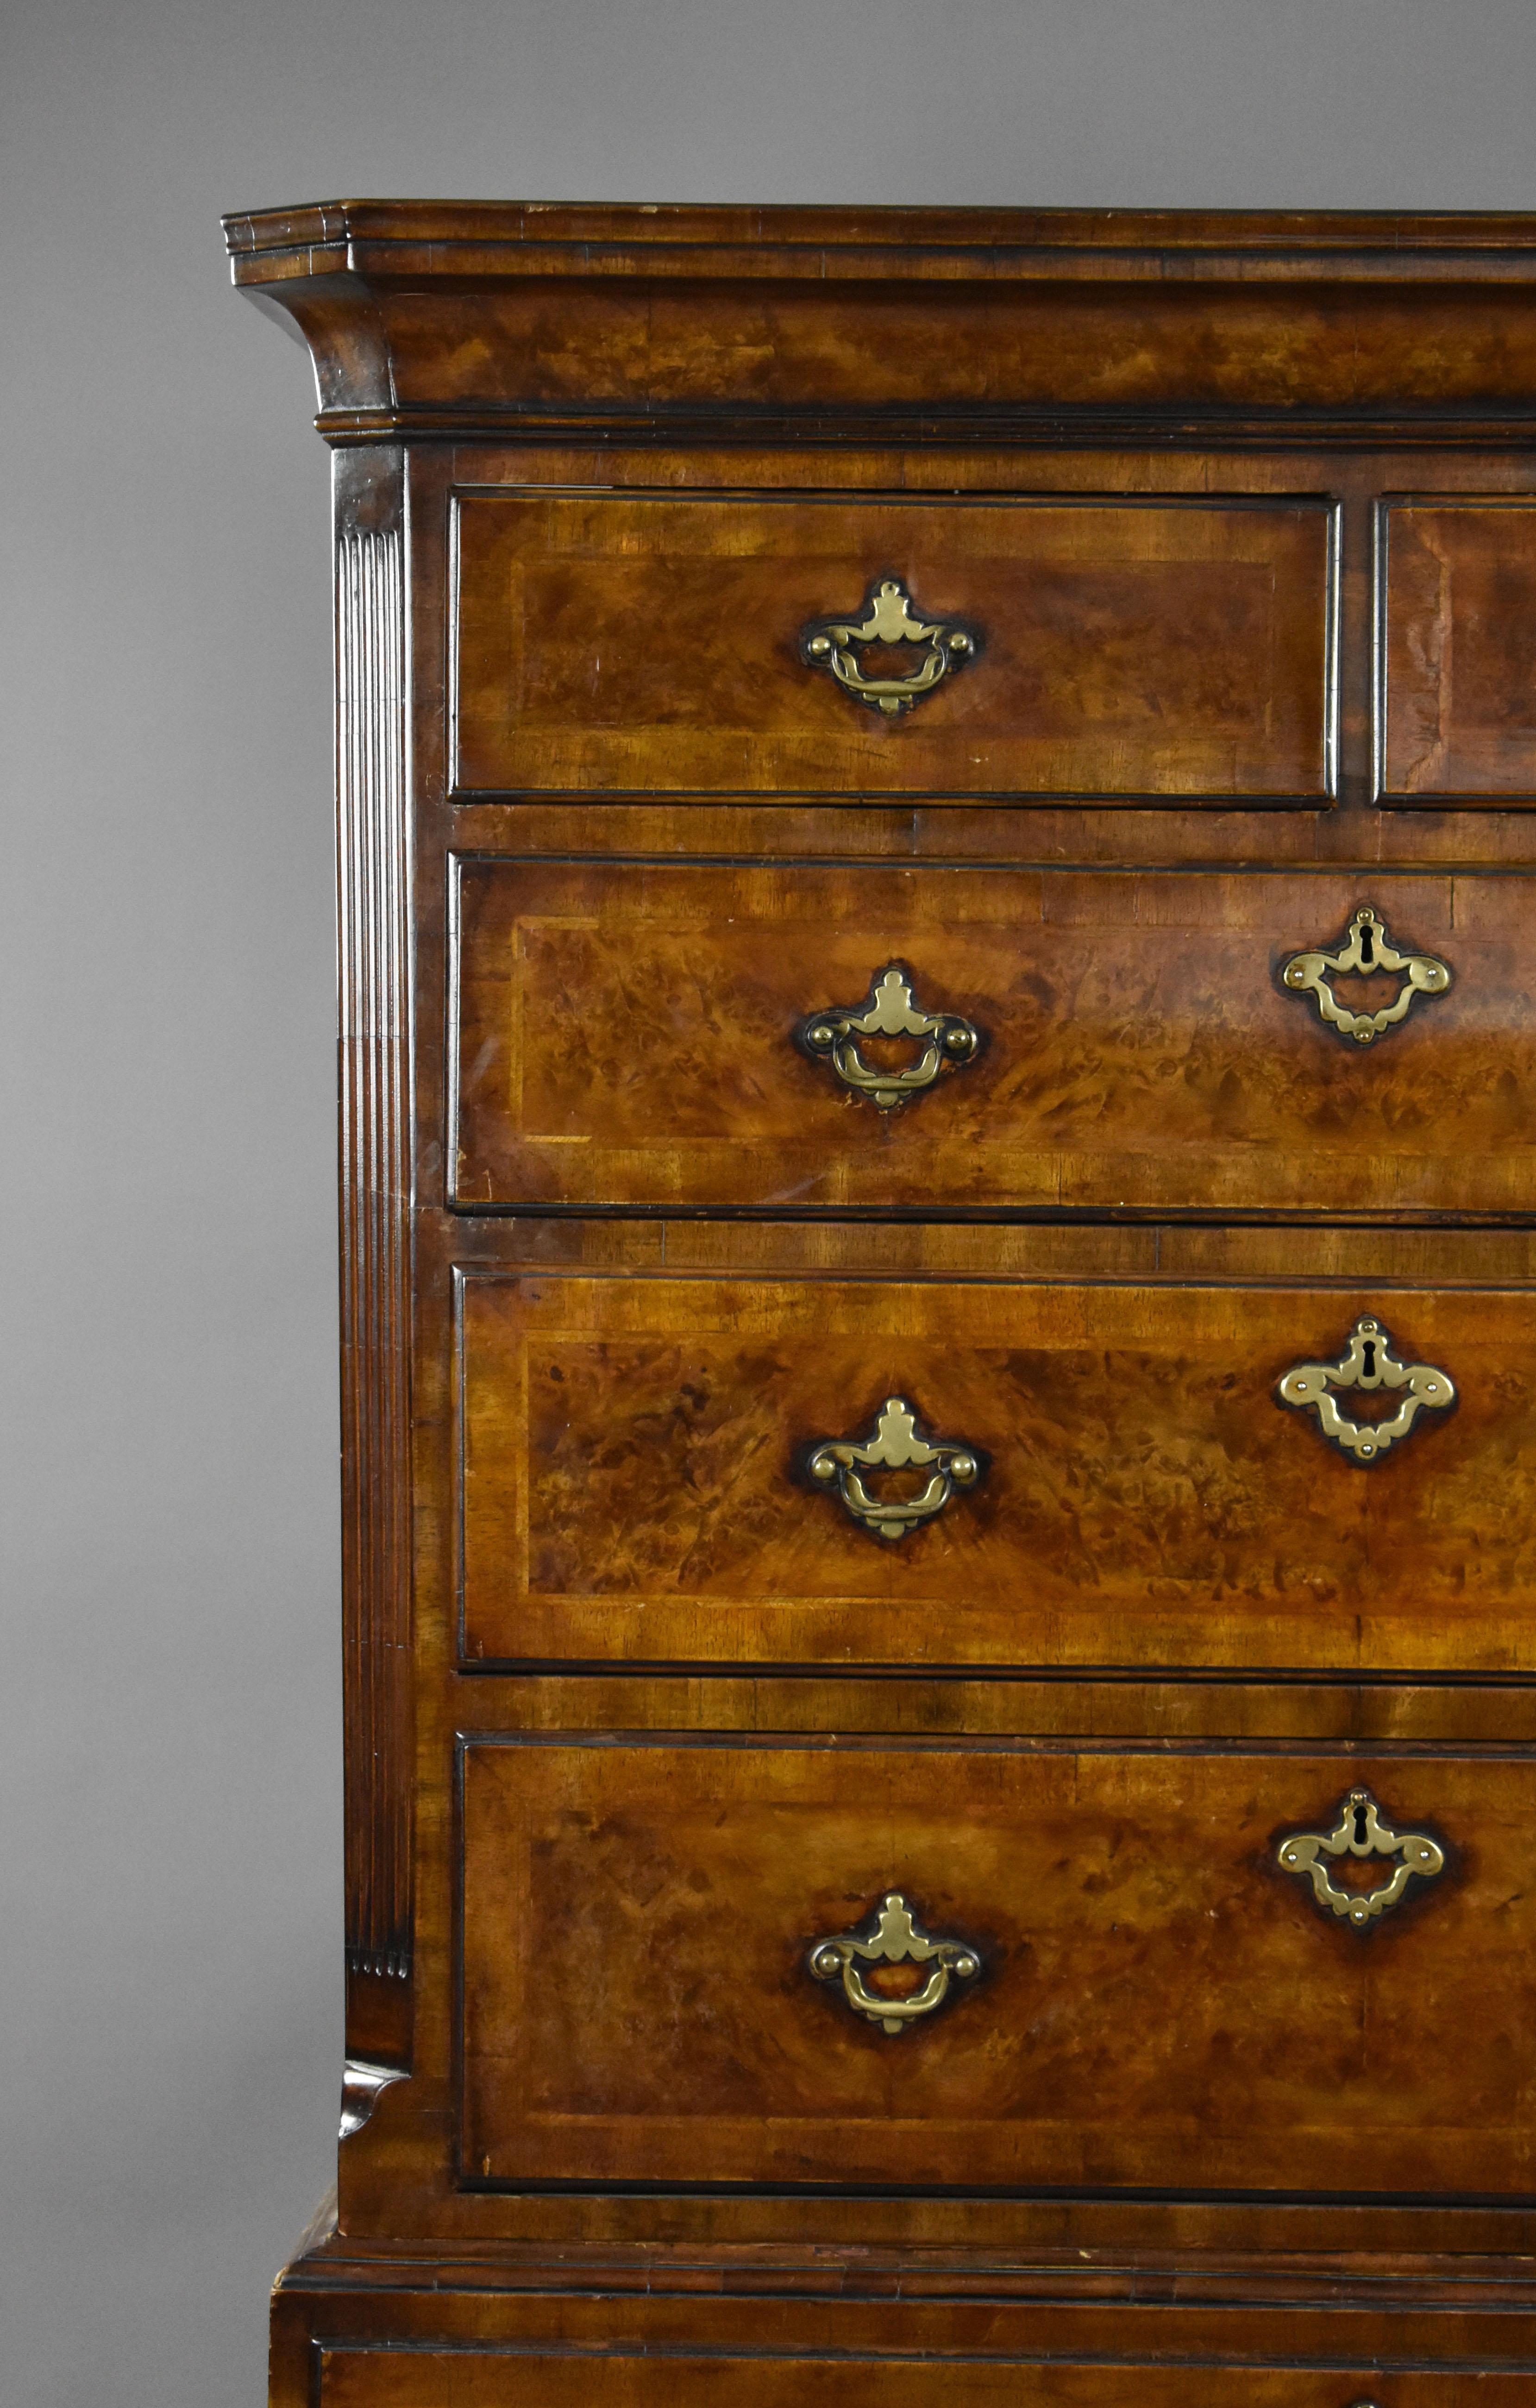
x=1367 y=1362
x=889 y=1010
x=893 y=1445
x=889 y=620
x=1360 y=1832
x=897 y=1940
x=1364 y=950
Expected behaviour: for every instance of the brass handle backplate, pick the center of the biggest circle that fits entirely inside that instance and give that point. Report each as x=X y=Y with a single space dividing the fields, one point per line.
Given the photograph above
x=1359 y=1832
x=893 y=1445
x=895 y=1938
x=1365 y=951
x=890 y=622
x=1367 y=1362
x=889 y=1010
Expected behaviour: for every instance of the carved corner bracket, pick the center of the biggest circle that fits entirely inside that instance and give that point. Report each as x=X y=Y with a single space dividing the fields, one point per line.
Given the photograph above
x=362 y=2084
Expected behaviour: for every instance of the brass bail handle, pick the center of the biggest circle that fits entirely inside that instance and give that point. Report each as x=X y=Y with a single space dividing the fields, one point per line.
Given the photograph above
x=889 y=1010
x=895 y=1938
x=890 y=621
x=895 y=1444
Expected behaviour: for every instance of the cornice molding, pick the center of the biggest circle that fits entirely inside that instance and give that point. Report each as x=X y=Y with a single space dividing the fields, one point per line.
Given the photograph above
x=440 y=320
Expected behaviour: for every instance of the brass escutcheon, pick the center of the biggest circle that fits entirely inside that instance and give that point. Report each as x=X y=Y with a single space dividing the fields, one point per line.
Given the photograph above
x=889 y=1010
x=889 y=620
x=1366 y=949
x=894 y=1446
x=896 y=1939
x=1359 y=1832
x=1367 y=1362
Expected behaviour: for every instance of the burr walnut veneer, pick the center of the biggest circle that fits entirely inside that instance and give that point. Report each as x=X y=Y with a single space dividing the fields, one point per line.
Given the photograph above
x=937 y=1064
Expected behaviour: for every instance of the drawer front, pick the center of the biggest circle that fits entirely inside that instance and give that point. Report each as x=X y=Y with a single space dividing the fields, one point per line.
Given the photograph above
x=1136 y=1994
x=639 y=1034
x=486 y=2377
x=1456 y=597
x=1110 y=648
x=645 y=1474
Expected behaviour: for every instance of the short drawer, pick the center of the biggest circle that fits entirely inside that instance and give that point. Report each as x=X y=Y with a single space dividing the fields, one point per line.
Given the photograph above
x=729 y=1469
x=997 y=1965
x=1099 y=647
x=818 y=1039
x=484 y=2377
x=1457 y=652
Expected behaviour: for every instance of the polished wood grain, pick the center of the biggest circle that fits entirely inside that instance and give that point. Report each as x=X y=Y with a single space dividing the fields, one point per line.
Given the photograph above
x=1159 y=2005
x=634 y=1478
x=1458 y=653
x=625 y=1036
x=609 y=641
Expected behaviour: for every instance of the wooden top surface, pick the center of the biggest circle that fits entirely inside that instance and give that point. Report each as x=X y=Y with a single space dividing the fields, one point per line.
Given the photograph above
x=532 y=237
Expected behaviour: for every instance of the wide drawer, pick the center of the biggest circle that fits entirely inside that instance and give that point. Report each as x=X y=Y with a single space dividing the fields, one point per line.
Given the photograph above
x=981 y=1966
x=484 y=2376
x=649 y=1470
x=649 y=1034
x=1093 y=646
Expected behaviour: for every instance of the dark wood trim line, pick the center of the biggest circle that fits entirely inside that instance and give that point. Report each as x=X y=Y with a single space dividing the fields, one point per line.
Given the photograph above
x=1023 y=424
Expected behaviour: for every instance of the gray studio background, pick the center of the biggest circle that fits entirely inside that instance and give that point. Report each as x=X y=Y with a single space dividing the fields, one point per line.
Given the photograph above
x=170 y=1991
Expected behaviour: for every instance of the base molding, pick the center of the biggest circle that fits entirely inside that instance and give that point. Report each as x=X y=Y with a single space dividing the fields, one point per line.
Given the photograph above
x=376 y=2325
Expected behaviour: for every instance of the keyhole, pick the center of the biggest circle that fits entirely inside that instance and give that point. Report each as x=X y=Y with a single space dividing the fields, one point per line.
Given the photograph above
x=1359 y=1826
x=1366 y=956
x=1367 y=1354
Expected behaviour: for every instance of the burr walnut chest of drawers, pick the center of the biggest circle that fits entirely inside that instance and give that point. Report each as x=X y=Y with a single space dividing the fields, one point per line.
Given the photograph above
x=938 y=1082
